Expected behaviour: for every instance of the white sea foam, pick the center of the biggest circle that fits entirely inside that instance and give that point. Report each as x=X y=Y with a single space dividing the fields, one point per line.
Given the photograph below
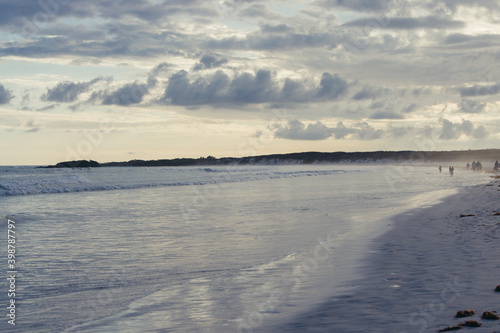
x=36 y=181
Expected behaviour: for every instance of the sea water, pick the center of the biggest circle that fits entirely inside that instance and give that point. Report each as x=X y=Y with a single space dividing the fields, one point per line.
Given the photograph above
x=196 y=249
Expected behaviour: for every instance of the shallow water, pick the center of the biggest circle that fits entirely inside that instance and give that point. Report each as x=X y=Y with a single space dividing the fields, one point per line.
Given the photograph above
x=197 y=249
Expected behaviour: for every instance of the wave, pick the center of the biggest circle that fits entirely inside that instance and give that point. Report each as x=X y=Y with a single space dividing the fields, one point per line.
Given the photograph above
x=80 y=183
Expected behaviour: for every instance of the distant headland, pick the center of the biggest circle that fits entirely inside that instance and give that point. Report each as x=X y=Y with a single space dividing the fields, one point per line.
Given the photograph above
x=303 y=158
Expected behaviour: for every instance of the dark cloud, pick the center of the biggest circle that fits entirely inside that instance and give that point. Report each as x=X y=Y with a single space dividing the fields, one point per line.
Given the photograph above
x=136 y=28
x=479 y=90
x=27 y=15
x=384 y=6
x=421 y=91
x=256 y=10
x=296 y=130
x=280 y=28
x=471 y=106
x=246 y=88
x=410 y=108
x=181 y=91
x=453 y=131
x=261 y=40
x=453 y=5
x=132 y=93
x=5 y=95
x=367 y=93
x=407 y=23
x=208 y=62
x=462 y=41
x=358 y=5
x=331 y=86
x=341 y=131
x=399 y=131
x=48 y=108
x=157 y=71
x=367 y=132
x=377 y=105
x=386 y=115
x=129 y=40
x=32 y=14
x=68 y=92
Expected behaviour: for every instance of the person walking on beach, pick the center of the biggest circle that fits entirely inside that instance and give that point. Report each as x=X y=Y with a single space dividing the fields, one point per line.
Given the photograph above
x=496 y=166
x=440 y=169
x=451 y=170
x=474 y=166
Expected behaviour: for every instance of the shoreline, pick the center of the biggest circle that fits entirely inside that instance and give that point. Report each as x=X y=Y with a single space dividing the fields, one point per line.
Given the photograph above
x=430 y=265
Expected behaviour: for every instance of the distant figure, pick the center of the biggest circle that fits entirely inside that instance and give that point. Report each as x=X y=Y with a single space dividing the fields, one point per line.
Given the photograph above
x=496 y=166
x=440 y=169
x=474 y=166
x=479 y=166
x=451 y=170
x=468 y=166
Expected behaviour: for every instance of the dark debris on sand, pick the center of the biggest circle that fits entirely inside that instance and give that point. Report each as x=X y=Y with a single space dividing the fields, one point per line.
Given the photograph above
x=465 y=313
x=497 y=289
x=451 y=328
x=470 y=323
x=490 y=315
x=466 y=215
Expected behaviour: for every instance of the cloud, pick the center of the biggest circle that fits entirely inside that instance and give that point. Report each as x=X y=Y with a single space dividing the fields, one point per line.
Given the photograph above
x=256 y=10
x=462 y=41
x=157 y=71
x=68 y=92
x=276 y=40
x=377 y=105
x=249 y=88
x=480 y=90
x=367 y=93
x=384 y=6
x=31 y=126
x=296 y=130
x=407 y=23
x=410 y=108
x=331 y=86
x=132 y=93
x=209 y=61
x=453 y=131
x=399 y=131
x=471 y=106
x=367 y=132
x=37 y=13
x=5 y=95
x=358 y=5
x=454 y=4
x=47 y=108
x=386 y=115
x=280 y=28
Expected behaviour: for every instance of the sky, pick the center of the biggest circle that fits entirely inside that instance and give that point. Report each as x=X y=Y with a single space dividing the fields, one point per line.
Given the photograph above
x=117 y=80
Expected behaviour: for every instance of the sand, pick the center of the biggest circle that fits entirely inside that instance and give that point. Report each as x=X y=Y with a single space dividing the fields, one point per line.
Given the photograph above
x=431 y=265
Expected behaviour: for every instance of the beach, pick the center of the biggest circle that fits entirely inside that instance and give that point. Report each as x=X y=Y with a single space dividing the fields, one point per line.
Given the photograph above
x=430 y=265
x=341 y=248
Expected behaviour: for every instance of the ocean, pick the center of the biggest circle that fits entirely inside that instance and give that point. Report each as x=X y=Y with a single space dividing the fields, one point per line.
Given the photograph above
x=196 y=249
